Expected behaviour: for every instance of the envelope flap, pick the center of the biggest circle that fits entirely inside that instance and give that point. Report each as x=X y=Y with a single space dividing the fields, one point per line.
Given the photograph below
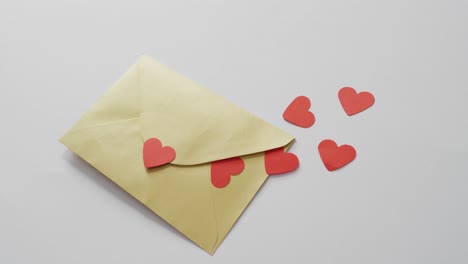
x=200 y=125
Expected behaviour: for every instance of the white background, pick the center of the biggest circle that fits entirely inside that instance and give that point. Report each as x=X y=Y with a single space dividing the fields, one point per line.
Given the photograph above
x=403 y=200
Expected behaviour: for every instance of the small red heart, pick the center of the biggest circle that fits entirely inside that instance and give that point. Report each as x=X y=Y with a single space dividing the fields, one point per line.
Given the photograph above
x=353 y=102
x=154 y=154
x=277 y=161
x=298 y=112
x=222 y=170
x=334 y=157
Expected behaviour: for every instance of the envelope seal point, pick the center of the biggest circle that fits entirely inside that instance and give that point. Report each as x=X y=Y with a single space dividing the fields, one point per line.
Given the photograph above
x=155 y=155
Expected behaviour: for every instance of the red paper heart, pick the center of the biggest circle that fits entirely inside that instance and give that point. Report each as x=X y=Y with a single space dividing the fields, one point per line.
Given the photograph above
x=154 y=154
x=298 y=112
x=277 y=161
x=334 y=157
x=222 y=170
x=353 y=102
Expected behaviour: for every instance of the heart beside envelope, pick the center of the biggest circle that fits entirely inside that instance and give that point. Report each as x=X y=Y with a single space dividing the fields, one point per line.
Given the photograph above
x=153 y=101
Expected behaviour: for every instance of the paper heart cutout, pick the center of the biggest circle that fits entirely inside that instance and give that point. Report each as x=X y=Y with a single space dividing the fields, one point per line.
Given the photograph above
x=277 y=161
x=334 y=157
x=222 y=170
x=353 y=102
x=154 y=154
x=298 y=112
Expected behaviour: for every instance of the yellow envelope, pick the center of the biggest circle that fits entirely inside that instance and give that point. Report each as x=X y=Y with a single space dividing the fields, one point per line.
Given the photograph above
x=151 y=100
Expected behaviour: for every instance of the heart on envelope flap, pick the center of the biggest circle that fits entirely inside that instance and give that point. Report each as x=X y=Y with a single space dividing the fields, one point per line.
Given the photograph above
x=198 y=142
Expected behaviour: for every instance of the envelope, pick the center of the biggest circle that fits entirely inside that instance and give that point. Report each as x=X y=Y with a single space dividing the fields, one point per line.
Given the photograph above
x=152 y=101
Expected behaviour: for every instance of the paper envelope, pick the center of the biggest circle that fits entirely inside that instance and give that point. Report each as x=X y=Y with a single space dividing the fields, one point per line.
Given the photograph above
x=151 y=100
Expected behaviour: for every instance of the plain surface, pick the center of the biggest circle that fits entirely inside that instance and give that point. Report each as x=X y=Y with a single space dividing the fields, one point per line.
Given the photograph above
x=403 y=200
